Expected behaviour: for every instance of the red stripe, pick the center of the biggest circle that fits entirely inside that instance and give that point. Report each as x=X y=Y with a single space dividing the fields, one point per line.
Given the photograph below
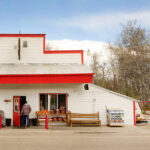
x=82 y=58
x=44 y=44
x=48 y=78
x=62 y=51
x=22 y=35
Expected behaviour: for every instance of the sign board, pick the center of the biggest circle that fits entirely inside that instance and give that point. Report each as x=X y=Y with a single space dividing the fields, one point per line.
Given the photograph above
x=115 y=117
x=7 y=100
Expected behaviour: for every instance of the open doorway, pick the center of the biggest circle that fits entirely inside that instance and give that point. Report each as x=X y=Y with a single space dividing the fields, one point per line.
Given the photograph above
x=22 y=102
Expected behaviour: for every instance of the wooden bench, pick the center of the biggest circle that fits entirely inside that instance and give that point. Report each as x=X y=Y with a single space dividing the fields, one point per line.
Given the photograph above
x=83 y=119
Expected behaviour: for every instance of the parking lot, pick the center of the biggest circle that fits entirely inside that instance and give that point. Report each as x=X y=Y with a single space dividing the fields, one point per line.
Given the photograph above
x=85 y=138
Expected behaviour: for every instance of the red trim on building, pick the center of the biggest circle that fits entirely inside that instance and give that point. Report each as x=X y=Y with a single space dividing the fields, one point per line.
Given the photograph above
x=16 y=115
x=145 y=101
x=46 y=78
x=82 y=58
x=44 y=43
x=22 y=35
x=134 y=114
x=62 y=51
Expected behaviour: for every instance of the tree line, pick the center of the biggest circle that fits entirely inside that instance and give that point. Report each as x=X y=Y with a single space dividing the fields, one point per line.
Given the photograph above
x=128 y=69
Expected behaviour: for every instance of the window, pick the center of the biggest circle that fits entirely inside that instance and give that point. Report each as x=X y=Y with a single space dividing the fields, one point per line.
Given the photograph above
x=16 y=105
x=86 y=87
x=44 y=102
x=25 y=44
x=53 y=102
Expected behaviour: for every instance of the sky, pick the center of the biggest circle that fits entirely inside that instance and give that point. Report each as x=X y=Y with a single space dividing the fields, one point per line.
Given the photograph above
x=97 y=20
x=93 y=46
x=73 y=24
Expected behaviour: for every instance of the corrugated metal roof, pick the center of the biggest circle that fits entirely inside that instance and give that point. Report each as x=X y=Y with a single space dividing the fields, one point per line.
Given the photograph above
x=6 y=69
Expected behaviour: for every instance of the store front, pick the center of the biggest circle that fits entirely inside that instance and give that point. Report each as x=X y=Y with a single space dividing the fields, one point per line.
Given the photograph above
x=54 y=103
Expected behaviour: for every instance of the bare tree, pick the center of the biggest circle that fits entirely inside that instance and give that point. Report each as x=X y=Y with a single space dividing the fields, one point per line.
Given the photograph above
x=131 y=60
x=51 y=47
x=48 y=47
x=103 y=74
x=95 y=67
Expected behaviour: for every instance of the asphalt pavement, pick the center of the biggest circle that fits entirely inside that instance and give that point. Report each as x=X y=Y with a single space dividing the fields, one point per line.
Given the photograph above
x=76 y=138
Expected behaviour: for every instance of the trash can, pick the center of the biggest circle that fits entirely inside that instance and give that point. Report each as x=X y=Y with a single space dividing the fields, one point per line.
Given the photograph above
x=8 y=122
x=34 y=121
x=3 y=117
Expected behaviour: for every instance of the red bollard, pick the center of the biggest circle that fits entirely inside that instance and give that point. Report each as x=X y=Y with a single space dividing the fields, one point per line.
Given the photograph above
x=0 y=121
x=46 y=122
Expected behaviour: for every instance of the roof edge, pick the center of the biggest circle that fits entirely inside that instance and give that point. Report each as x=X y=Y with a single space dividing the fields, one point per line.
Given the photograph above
x=112 y=92
x=21 y=35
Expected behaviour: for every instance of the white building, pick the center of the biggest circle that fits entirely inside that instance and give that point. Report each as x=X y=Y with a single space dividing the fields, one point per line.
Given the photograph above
x=50 y=79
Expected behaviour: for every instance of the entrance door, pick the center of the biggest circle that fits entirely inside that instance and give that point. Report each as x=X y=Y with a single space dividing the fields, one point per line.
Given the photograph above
x=16 y=111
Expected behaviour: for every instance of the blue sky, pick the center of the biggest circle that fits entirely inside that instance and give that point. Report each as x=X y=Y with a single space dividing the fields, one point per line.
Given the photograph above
x=97 y=20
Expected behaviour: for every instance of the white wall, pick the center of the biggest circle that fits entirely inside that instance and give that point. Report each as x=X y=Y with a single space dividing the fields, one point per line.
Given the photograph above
x=79 y=100
x=33 y=53
x=32 y=95
x=106 y=98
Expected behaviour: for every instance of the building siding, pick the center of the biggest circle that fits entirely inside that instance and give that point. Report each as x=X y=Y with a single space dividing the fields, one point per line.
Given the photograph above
x=79 y=100
x=34 y=53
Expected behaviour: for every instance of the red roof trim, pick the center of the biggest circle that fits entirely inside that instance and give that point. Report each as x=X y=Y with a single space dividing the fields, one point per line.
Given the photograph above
x=46 y=78
x=22 y=35
x=62 y=51
x=75 y=74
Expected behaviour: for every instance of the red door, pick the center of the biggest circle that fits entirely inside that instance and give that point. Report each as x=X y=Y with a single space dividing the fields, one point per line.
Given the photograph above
x=16 y=111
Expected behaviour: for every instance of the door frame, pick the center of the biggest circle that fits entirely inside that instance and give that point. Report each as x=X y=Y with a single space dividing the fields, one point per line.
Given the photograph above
x=18 y=123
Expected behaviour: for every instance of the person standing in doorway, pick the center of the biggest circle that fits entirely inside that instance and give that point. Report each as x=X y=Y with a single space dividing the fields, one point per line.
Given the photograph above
x=26 y=109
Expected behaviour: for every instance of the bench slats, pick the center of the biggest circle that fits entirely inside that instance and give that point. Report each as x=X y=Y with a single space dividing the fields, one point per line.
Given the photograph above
x=84 y=114
x=85 y=124
x=78 y=121
x=83 y=119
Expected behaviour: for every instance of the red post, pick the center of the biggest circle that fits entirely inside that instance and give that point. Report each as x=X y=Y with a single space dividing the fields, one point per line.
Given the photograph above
x=46 y=122
x=0 y=122
x=134 y=114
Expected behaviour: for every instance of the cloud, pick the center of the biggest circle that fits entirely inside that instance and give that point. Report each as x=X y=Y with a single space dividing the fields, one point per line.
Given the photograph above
x=94 y=46
x=98 y=23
